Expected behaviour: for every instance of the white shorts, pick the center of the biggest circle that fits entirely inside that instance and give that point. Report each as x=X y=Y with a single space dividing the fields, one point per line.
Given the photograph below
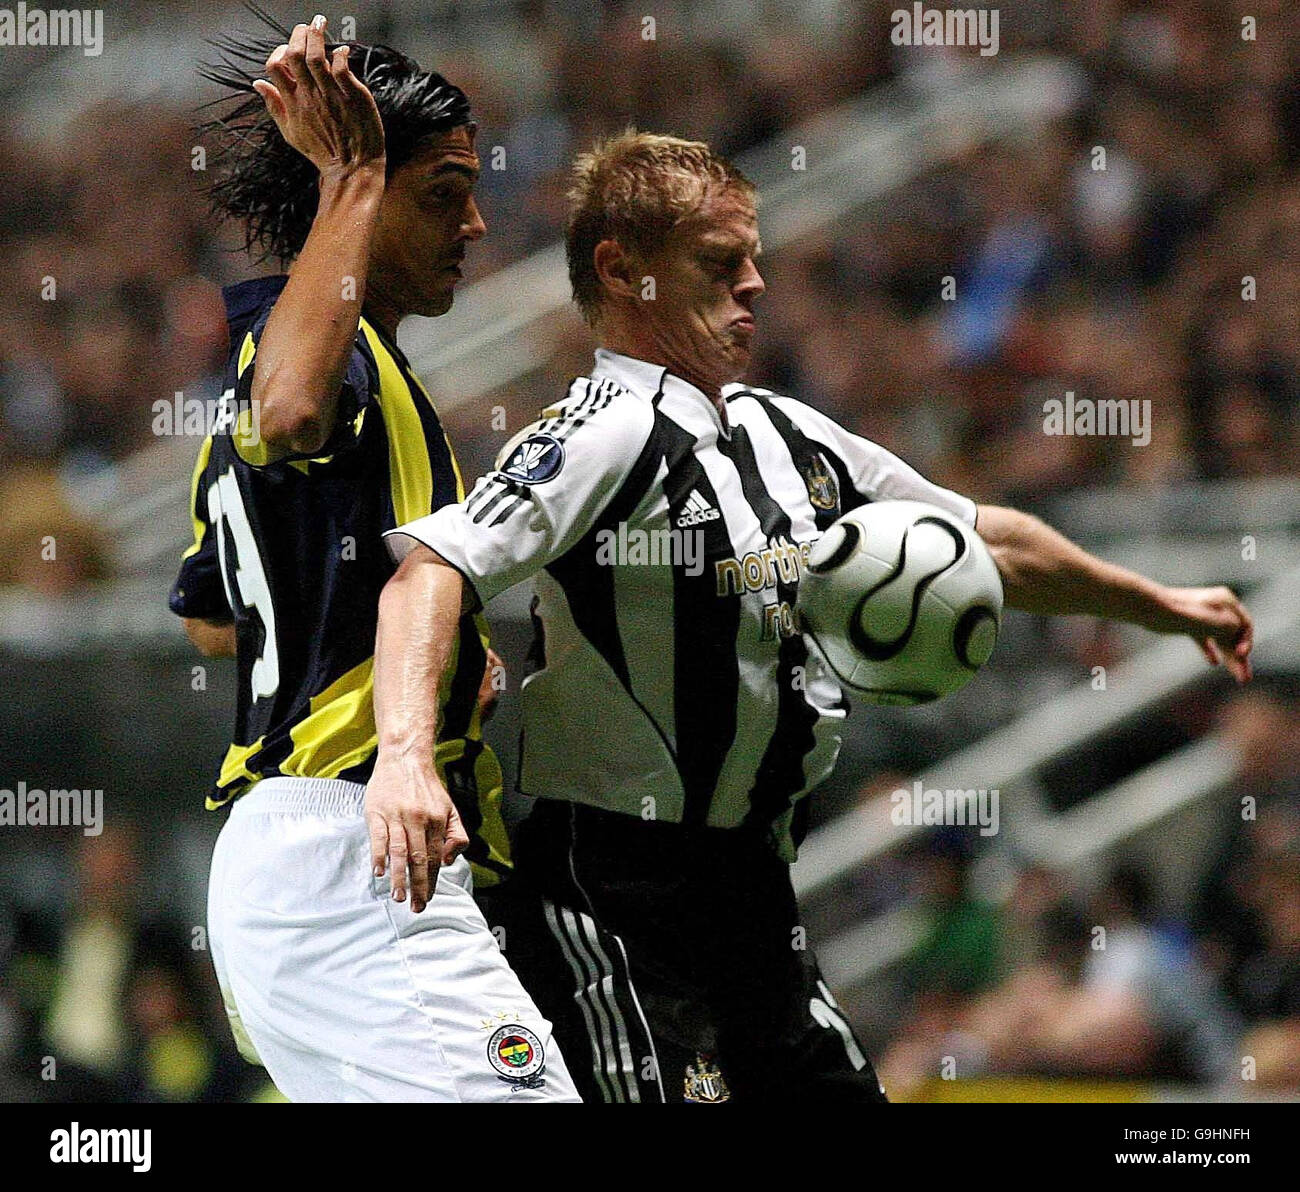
x=342 y=993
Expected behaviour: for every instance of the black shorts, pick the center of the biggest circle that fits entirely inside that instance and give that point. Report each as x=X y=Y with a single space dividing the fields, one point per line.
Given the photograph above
x=671 y=963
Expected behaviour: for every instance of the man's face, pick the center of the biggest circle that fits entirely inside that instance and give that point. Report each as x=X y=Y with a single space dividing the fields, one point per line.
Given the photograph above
x=702 y=316
x=426 y=220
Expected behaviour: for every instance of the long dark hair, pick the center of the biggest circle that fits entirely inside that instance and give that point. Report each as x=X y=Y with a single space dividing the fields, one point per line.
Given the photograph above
x=265 y=183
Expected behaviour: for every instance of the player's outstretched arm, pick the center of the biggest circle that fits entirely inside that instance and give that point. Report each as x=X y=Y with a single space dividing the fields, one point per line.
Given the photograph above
x=325 y=112
x=413 y=822
x=1044 y=572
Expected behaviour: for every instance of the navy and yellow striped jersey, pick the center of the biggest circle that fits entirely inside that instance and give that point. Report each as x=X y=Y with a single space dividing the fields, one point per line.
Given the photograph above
x=294 y=550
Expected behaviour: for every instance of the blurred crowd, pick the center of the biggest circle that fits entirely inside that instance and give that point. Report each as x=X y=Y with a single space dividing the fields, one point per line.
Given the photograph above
x=1171 y=275
x=105 y=1001
x=1142 y=248
x=1094 y=976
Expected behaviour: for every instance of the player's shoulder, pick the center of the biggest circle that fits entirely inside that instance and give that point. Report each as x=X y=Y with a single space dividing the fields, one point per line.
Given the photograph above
x=739 y=394
x=741 y=399
x=249 y=306
x=246 y=301
x=603 y=398
x=596 y=421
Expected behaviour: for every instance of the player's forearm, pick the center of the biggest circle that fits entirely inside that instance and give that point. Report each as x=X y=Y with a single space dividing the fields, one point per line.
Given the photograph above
x=419 y=615
x=303 y=354
x=1044 y=572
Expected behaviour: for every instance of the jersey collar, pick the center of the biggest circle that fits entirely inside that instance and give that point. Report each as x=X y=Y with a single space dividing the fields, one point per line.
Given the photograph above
x=653 y=382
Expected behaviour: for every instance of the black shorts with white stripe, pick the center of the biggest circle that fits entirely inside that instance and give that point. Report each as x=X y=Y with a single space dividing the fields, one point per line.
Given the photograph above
x=669 y=961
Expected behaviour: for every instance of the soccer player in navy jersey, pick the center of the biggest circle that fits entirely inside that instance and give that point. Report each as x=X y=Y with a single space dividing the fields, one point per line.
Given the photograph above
x=358 y=167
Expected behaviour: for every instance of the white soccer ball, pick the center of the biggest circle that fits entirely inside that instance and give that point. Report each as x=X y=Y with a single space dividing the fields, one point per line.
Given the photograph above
x=903 y=601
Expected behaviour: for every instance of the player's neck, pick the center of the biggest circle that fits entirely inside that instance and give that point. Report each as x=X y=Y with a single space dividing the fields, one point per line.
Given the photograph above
x=382 y=315
x=651 y=353
x=382 y=308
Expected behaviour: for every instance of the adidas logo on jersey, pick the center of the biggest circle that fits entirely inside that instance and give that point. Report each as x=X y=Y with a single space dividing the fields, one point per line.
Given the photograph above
x=697 y=510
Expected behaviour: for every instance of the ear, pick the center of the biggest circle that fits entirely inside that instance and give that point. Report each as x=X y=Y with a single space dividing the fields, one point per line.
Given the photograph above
x=616 y=269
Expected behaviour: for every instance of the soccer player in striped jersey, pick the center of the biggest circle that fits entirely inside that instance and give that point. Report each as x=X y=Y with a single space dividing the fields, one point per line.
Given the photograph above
x=679 y=718
x=343 y=988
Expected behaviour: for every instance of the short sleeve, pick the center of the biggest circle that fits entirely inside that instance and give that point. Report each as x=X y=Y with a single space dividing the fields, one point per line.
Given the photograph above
x=199 y=590
x=354 y=394
x=874 y=473
x=550 y=487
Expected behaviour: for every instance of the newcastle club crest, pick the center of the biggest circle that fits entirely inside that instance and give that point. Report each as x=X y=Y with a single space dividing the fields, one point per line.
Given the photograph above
x=704 y=1083
x=823 y=492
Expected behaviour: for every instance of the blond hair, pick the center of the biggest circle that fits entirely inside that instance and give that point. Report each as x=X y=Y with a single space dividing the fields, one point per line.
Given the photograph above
x=635 y=187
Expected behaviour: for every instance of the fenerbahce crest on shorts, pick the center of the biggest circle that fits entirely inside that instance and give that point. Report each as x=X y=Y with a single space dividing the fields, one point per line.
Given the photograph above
x=517 y=1055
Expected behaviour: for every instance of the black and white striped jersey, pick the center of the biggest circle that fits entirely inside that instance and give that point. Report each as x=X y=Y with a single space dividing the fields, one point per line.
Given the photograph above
x=667 y=549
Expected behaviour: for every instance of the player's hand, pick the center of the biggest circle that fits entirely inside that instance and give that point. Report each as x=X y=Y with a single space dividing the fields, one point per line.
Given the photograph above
x=414 y=827
x=488 y=692
x=320 y=107
x=1219 y=623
